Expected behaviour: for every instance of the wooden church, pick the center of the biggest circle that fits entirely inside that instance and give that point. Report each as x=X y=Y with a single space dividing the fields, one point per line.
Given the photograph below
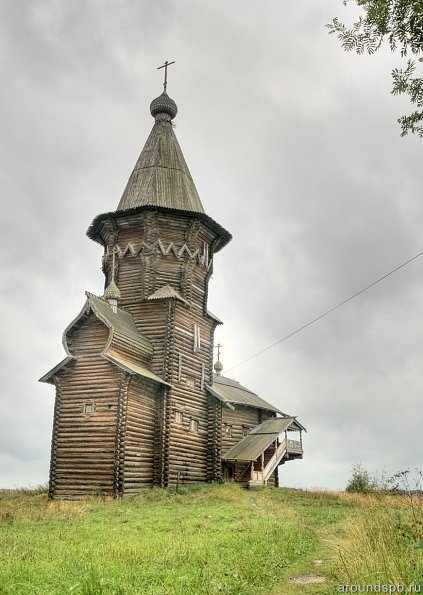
x=137 y=402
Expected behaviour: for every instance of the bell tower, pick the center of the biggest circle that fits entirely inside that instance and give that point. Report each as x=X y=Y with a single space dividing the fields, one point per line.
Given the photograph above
x=158 y=248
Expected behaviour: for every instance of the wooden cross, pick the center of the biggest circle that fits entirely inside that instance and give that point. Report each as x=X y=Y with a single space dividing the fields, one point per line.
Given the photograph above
x=165 y=65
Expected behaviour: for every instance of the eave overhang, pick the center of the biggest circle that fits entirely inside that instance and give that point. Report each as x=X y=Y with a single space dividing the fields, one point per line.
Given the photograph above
x=104 y=221
x=127 y=366
x=49 y=377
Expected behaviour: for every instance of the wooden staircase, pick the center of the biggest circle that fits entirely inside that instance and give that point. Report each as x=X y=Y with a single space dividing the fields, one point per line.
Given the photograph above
x=261 y=477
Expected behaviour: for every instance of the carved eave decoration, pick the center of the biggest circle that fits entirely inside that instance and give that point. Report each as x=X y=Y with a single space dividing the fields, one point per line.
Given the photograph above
x=158 y=246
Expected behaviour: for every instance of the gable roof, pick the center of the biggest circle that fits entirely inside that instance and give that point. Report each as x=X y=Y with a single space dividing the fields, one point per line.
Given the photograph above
x=232 y=392
x=167 y=292
x=260 y=438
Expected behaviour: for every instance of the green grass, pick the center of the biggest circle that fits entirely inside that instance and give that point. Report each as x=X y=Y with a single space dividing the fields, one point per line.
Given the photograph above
x=202 y=540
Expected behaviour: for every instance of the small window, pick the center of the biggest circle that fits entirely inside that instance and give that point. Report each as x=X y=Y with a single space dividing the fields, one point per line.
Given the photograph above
x=179 y=418
x=228 y=430
x=203 y=373
x=190 y=382
x=88 y=408
x=245 y=430
x=193 y=425
x=197 y=338
x=179 y=367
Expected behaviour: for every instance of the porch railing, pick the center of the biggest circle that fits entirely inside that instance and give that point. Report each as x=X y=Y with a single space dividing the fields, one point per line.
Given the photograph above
x=294 y=445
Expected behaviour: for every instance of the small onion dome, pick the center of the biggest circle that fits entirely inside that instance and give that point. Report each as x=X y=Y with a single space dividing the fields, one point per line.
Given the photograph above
x=163 y=107
x=218 y=367
x=112 y=292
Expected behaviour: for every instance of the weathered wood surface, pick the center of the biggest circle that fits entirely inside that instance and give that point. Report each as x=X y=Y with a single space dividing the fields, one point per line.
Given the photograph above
x=155 y=249
x=139 y=437
x=140 y=434
x=239 y=421
x=84 y=445
x=242 y=417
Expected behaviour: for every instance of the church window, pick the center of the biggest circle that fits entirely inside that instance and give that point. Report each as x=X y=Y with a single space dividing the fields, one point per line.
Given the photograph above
x=179 y=418
x=245 y=430
x=88 y=408
x=193 y=425
x=197 y=338
x=228 y=430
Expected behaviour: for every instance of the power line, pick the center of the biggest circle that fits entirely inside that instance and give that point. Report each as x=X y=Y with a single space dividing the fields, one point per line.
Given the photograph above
x=304 y=326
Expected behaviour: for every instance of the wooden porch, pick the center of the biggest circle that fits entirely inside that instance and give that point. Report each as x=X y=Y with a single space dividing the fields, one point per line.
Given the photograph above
x=259 y=453
x=284 y=451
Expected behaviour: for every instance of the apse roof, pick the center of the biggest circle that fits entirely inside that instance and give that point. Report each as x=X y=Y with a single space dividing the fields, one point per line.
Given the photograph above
x=233 y=393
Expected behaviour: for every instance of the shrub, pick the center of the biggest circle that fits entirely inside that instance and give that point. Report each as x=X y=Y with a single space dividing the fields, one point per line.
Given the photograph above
x=361 y=482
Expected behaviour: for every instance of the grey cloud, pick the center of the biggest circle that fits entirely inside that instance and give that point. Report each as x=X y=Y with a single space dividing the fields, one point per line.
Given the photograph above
x=294 y=148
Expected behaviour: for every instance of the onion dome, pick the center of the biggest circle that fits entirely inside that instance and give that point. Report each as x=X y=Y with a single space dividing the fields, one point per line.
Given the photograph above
x=112 y=292
x=218 y=367
x=163 y=108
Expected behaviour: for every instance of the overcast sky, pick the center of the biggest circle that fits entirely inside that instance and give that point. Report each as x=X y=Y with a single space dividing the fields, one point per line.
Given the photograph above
x=294 y=148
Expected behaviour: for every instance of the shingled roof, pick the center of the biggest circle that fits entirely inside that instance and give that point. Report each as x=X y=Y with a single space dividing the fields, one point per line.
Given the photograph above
x=160 y=180
x=232 y=392
x=167 y=292
x=125 y=344
x=161 y=176
x=260 y=438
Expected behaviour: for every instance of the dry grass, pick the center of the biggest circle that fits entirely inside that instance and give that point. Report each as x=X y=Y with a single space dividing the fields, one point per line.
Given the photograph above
x=382 y=543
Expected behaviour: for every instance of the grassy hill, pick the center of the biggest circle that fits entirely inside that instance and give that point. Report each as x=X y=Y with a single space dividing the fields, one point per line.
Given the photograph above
x=209 y=539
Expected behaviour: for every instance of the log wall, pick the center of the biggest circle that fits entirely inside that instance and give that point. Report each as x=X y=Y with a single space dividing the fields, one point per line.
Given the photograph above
x=238 y=419
x=151 y=318
x=89 y=337
x=154 y=249
x=214 y=448
x=84 y=434
x=190 y=422
x=139 y=436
